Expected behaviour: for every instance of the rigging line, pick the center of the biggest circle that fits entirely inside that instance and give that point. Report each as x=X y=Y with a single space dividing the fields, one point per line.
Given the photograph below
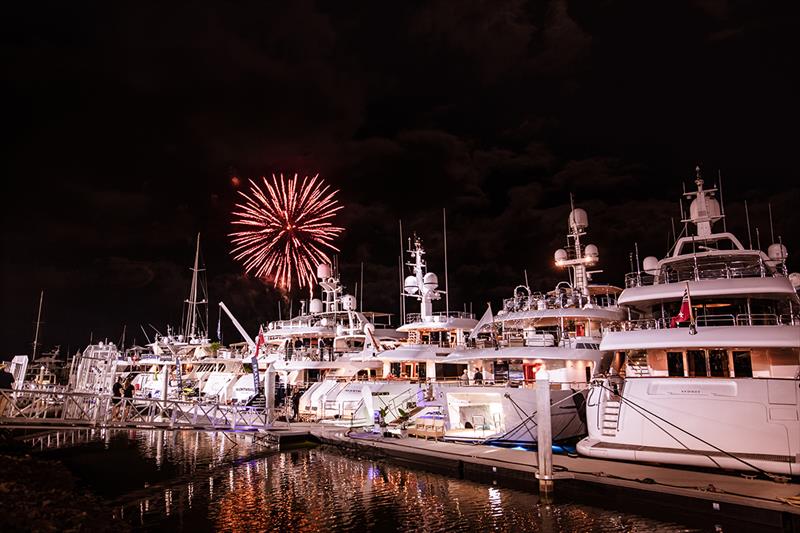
x=676 y=439
x=694 y=436
x=519 y=409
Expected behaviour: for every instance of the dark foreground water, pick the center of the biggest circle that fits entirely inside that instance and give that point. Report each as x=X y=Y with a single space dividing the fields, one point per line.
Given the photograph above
x=210 y=482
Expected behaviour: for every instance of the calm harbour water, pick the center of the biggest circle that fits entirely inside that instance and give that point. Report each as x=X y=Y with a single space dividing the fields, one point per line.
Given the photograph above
x=195 y=481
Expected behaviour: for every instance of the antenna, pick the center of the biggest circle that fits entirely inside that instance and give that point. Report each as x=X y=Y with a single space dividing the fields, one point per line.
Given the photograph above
x=526 y=279
x=402 y=299
x=38 y=322
x=446 y=287
x=400 y=272
x=721 y=201
x=279 y=309
x=361 y=294
x=143 y=331
x=771 y=231
x=758 y=239
x=747 y=217
x=636 y=247
x=674 y=238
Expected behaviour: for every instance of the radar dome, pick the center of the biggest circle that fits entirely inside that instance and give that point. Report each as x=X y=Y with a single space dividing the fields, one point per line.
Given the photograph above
x=650 y=264
x=794 y=279
x=591 y=251
x=324 y=271
x=431 y=281
x=411 y=285
x=777 y=252
x=315 y=306
x=711 y=204
x=349 y=302
x=578 y=219
x=560 y=255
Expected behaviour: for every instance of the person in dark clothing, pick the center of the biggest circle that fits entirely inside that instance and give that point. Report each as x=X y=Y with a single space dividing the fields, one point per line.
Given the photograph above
x=6 y=378
x=116 y=398
x=295 y=402
x=6 y=382
x=478 y=377
x=127 y=394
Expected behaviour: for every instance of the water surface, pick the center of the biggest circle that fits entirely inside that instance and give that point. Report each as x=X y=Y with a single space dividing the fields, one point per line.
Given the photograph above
x=196 y=481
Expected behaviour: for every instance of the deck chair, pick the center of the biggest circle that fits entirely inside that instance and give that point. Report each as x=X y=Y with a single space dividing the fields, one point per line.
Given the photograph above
x=438 y=428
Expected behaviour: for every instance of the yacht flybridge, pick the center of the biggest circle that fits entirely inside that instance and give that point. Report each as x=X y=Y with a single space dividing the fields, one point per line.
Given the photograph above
x=706 y=366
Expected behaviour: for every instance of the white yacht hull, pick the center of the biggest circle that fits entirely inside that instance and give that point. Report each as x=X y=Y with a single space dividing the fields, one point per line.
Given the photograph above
x=506 y=415
x=736 y=423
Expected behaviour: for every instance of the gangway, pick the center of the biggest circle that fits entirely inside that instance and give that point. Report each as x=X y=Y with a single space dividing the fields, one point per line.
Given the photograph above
x=36 y=409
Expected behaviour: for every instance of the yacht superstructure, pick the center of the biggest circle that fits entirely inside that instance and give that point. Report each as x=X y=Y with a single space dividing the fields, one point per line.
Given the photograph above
x=706 y=368
x=558 y=331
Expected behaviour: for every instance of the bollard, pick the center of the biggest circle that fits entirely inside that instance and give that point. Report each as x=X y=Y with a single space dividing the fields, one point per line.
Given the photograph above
x=544 y=434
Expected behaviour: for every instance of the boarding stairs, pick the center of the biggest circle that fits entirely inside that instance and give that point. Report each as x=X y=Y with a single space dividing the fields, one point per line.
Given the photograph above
x=610 y=416
x=637 y=365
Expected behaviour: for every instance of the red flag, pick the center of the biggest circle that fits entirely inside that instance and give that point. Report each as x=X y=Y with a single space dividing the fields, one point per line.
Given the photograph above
x=260 y=340
x=685 y=314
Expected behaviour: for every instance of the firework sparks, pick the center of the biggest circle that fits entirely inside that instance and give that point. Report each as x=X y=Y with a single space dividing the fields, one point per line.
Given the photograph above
x=288 y=227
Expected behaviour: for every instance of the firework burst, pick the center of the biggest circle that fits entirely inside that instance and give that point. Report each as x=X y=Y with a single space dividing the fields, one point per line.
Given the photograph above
x=288 y=228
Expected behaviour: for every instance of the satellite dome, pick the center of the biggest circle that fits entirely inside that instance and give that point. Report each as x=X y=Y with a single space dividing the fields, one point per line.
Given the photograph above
x=711 y=204
x=650 y=264
x=561 y=255
x=349 y=302
x=777 y=252
x=592 y=251
x=324 y=271
x=578 y=219
x=431 y=281
x=411 y=285
x=323 y=322
x=315 y=306
x=794 y=279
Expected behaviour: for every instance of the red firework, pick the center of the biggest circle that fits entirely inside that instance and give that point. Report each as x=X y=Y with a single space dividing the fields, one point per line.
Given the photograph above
x=288 y=226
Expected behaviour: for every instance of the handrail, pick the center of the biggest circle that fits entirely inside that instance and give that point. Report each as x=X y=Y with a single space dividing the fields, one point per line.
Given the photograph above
x=705 y=320
x=672 y=273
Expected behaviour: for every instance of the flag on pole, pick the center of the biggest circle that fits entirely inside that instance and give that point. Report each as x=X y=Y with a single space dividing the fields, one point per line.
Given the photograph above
x=685 y=313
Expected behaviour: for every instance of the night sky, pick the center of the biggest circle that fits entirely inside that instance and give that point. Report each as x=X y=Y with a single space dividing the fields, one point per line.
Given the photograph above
x=126 y=124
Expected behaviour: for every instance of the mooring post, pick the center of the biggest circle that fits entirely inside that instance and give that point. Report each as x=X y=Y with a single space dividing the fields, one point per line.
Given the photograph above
x=544 y=434
x=269 y=391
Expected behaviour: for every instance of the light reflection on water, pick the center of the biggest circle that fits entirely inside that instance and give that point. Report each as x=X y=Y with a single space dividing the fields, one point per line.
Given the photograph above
x=203 y=482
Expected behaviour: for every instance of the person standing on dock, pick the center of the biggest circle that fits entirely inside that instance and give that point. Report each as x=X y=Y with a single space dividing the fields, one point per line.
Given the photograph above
x=116 y=398
x=127 y=395
x=465 y=377
x=6 y=382
x=478 y=376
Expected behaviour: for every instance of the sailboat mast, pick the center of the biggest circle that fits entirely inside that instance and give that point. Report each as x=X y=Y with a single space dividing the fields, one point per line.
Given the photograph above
x=191 y=318
x=38 y=322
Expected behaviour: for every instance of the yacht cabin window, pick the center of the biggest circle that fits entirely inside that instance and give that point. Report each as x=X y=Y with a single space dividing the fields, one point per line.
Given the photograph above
x=696 y=360
x=675 y=364
x=718 y=363
x=742 y=365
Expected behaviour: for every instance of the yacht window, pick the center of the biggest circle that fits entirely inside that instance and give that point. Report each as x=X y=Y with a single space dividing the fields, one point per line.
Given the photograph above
x=742 y=365
x=697 y=363
x=395 y=369
x=421 y=371
x=675 y=363
x=588 y=374
x=718 y=363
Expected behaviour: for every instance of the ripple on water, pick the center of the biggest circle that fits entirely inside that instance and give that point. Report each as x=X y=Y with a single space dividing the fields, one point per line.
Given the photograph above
x=207 y=482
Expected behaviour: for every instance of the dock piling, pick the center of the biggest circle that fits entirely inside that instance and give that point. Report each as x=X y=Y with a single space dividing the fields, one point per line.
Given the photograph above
x=544 y=434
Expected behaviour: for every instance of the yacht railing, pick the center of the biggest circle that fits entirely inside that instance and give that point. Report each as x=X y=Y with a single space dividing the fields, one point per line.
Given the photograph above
x=439 y=317
x=697 y=271
x=706 y=320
